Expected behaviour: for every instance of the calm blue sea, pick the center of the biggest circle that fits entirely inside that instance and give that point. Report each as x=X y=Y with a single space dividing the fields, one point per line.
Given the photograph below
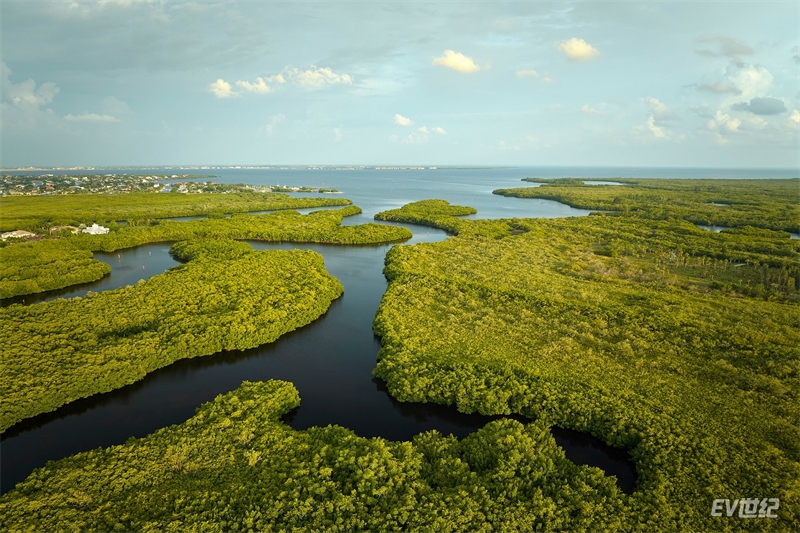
x=378 y=190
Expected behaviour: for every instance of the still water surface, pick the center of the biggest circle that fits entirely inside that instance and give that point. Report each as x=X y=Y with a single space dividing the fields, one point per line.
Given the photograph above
x=330 y=361
x=127 y=267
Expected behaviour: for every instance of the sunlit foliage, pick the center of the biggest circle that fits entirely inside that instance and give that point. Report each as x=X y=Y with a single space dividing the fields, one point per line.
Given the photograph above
x=438 y=213
x=209 y=249
x=770 y=204
x=28 y=271
x=39 y=213
x=235 y=467
x=679 y=344
x=29 y=267
x=58 y=351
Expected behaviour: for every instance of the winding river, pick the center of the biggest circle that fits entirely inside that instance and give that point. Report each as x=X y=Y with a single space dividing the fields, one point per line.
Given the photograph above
x=330 y=361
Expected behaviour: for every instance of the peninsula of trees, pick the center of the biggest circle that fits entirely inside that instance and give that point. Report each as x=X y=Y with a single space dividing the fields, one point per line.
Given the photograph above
x=54 y=263
x=40 y=213
x=225 y=298
x=677 y=343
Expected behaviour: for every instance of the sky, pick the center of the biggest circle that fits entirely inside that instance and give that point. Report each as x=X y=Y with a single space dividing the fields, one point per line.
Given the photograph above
x=160 y=82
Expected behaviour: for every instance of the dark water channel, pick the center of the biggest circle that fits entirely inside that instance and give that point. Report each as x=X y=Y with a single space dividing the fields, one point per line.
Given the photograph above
x=127 y=267
x=330 y=361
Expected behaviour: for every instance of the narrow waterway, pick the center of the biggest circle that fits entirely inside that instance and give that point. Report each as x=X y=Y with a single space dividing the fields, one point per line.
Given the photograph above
x=330 y=361
x=127 y=268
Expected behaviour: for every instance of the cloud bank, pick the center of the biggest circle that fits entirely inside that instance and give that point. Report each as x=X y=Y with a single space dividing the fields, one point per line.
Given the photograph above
x=578 y=49
x=222 y=89
x=312 y=78
x=456 y=61
x=400 y=120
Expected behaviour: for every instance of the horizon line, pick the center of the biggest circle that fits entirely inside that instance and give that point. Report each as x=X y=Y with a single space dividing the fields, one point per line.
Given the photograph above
x=190 y=166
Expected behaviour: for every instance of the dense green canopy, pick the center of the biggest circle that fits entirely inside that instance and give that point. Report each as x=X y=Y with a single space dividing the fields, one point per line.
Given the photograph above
x=770 y=204
x=680 y=344
x=31 y=267
x=636 y=326
x=58 y=351
x=235 y=467
x=40 y=213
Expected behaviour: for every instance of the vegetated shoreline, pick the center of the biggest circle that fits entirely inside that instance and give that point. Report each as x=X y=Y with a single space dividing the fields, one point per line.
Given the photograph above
x=632 y=329
x=50 y=264
x=40 y=213
x=473 y=487
x=772 y=204
x=226 y=297
x=20 y=323
x=234 y=466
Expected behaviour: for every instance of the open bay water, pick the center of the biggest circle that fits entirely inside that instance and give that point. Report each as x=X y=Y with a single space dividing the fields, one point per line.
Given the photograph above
x=379 y=190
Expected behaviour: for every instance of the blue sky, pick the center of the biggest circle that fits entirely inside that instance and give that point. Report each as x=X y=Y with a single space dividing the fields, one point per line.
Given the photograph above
x=583 y=83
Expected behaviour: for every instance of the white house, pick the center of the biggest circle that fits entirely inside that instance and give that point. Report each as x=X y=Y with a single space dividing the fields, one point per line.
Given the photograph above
x=94 y=229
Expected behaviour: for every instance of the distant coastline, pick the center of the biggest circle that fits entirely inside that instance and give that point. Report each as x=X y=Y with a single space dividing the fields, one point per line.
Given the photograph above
x=588 y=172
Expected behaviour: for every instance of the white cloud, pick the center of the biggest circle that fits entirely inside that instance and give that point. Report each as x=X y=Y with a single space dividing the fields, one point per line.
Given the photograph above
x=795 y=117
x=578 y=49
x=651 y=129
x=337 y=134
x=260 y=86
x=26 y=93
x=657 y=108
x=222 y=89
x=554 y=107
x=400 y=120
x=316 y=77
x=90 y=117
x=592 y=112
x=723 y=122
x=22 y=104
x=547 y=79
x=312 y=77
x=456 y=61
x=743 y=84
x=657 y=132
x=419 y=136
x=752 y=81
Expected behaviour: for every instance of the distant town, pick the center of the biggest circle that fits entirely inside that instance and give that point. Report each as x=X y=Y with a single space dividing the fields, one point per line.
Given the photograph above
x=235 y=167
x=52 y=184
